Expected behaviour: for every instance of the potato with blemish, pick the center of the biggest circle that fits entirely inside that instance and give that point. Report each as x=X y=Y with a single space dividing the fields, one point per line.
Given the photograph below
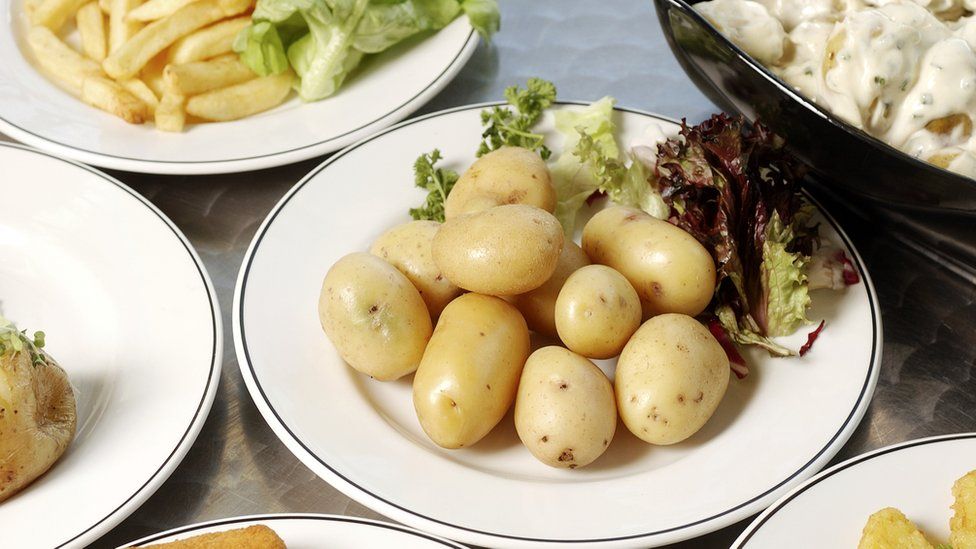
x=509 y=175
x=374 y=316
x=469 y=373
x=564 y=412
x=505 y=250
x=671 y=271
x=407 y=247
x=538 y=306
x=671 y=376
x=597 y=311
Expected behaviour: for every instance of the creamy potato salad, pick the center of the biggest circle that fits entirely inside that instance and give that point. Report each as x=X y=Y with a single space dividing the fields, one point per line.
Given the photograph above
x=902 y=70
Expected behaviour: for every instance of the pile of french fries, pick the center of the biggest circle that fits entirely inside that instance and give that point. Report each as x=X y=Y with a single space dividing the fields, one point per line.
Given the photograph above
x=159 y=60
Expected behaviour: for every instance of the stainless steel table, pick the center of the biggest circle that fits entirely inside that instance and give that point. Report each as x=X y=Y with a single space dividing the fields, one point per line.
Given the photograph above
x=589 y=49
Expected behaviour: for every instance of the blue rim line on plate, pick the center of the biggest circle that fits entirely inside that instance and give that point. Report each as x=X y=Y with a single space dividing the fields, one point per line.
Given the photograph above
x=298 y=516
x=215 y=352
x=871 y=373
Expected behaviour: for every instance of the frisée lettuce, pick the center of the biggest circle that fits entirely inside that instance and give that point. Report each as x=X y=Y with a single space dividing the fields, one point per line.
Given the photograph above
x=324 y=40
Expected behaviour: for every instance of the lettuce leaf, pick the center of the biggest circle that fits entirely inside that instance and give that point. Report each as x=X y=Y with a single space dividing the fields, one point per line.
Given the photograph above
x=325 y=40
x=784 y=279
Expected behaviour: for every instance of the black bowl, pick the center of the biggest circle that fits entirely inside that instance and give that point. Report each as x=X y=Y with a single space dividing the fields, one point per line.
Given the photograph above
x=847 y=158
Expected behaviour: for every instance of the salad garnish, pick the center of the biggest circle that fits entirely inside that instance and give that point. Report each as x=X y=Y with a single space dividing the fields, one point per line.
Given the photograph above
x=438 y=183
x=324 y=40
x=507 y=128
x=13 y=340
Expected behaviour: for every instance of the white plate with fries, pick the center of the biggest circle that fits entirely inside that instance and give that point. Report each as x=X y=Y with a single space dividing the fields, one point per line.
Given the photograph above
x=307 y=531
x=139 y=335
x=56 y=96
x=778 y=426
x=918 y=478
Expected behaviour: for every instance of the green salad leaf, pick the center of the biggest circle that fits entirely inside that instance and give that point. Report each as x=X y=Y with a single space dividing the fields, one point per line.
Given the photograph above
x=323 y=41
x=438 y=183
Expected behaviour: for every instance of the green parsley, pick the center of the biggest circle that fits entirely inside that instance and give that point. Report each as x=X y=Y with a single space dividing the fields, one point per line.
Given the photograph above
x=438 y=183
x=505 y=127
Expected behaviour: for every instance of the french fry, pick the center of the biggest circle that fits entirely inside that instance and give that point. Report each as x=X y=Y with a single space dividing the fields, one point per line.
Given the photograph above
x=126 y=61
x=202 y=76
x=241 y=100
x=217 y=39
x=152 y=74
x=91 y=28
x=53 y=13
x=112 y=98
x=170 y=114
x=60 y=61
x=139 y=89
x=156 y=9
x=106 y=6
x=121 y=30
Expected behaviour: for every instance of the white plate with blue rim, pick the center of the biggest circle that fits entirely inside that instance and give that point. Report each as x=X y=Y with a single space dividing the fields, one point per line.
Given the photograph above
x=312 y=531
x=831 y=509
x=130 y=313
x=386 y=89
x=772 y=431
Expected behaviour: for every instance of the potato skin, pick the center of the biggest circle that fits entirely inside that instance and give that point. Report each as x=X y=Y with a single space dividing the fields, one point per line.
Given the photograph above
x=538 y=306
x=469 y=374
x=374 y=316
x=509 y=175
x=597 y=311
x=671 y=271
x=407 y=247
x=505 y=250
x=671 y=376
x=565 y=412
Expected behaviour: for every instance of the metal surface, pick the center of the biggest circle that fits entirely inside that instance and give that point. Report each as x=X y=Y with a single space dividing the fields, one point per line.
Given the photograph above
x=590 y=49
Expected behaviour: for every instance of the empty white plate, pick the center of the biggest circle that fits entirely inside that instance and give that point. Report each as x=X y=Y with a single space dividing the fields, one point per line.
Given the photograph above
x=386 y=89
x=772 y=431
x=309 y=531
x=831 y=509
x=131 y=315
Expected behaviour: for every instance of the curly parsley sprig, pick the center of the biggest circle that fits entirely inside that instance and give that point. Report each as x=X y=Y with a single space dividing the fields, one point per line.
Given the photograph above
x=505 y=127
x=438 y=183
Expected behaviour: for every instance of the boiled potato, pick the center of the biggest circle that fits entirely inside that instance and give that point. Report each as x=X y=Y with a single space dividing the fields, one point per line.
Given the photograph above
x=538 y=306
x=505 y=250
x=509 y=175
x=374 y=316
x=564 y=412
x=670 y=378
x=37 y=411
x=407 y=247
x=597 y=311
x=963 y=521
x=671 y=271
x=469 y=374
x=889 y=528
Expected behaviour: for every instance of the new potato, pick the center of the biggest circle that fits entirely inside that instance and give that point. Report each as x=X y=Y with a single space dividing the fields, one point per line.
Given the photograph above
x=538 y=306
x=374 y=316
x=671 y=376
x=408 y=248
x=565 y=412
x=597 y=311
x=509 y=175
x=469 y=374
x=505 y=250
x=671 y=271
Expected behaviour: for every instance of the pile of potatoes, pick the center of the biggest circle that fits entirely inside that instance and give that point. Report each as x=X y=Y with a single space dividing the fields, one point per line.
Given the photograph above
x=455 y=302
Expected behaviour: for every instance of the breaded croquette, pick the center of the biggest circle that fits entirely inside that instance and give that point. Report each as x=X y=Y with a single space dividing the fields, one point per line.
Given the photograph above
x=252 y=537
x=889 y=528
x=963 y=522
